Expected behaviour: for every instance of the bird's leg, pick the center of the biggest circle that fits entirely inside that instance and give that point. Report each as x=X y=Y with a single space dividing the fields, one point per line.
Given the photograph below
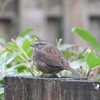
x=50 y=76
x=42 y=75
x=54 y=75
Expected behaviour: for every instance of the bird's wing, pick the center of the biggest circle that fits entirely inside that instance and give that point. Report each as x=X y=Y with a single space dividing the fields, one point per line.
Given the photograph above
x=50 y=57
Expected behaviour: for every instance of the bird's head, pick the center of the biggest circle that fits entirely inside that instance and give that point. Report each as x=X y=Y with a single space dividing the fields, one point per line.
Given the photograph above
x=39 y=44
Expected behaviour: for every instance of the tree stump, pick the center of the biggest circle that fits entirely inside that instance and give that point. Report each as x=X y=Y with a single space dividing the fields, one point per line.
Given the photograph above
x=35 y=88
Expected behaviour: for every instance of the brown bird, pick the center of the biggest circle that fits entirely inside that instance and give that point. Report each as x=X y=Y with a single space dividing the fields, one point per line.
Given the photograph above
x=48 y=59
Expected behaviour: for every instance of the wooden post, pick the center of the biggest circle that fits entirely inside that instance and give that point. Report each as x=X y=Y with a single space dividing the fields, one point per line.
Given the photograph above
x=33 y=88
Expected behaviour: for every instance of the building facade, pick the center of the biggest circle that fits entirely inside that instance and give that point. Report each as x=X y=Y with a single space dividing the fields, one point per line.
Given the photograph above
x=51 y=19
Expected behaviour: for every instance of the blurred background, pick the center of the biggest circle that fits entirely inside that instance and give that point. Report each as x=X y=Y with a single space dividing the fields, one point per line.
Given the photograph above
x=50 y=19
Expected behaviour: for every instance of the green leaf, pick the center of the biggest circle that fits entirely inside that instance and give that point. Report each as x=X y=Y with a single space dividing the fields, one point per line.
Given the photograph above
x=63 y=47
x=25 y=45
x=3 y=58
x=3 y=36
x=88 y=37
x=92 y=61
x=25 y=32
x=11 y=44
x=1 y=90
x=22 y=64
x=21 y=68
x=27 y=48
x=1 y=93
x=35 y=37
x=76 y=64
x=11 y=57
x=67 y=54
x=98 y=79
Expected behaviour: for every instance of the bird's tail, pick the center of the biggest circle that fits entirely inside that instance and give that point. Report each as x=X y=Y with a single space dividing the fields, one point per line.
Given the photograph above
x=75 y=72
x=67 y=67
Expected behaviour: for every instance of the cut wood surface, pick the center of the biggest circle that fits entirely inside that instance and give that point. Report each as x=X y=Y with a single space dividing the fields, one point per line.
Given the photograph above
x=34 y=88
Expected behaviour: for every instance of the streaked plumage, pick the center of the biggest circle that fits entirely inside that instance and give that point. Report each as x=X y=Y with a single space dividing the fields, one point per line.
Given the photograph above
x=48 y=59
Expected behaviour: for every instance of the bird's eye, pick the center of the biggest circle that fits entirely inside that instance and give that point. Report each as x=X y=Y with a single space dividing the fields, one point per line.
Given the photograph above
x=39 y=44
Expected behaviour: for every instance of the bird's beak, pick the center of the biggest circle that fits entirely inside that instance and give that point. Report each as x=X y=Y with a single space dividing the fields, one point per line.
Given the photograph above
x=32 y=45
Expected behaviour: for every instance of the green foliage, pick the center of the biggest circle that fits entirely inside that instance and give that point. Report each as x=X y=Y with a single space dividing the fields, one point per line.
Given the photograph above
x=3 y=36
x=25 y=32
x=89 y=38
x=92 y=60
x=93 y=57
x=14 y=59
x=16 y=54
x=84 y=60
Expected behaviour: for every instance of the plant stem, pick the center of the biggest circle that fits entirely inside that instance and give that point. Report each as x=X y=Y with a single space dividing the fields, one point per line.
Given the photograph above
x=21 y=57
x=59 y=43
x=31 y=71
x=21 y=49
x=25 y=72
x=13 y=52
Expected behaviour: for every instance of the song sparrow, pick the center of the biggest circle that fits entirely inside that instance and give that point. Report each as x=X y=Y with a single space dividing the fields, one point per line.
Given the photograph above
x=48 y=59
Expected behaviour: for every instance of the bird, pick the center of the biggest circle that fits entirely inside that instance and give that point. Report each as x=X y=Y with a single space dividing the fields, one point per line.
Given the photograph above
x=48 y=59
